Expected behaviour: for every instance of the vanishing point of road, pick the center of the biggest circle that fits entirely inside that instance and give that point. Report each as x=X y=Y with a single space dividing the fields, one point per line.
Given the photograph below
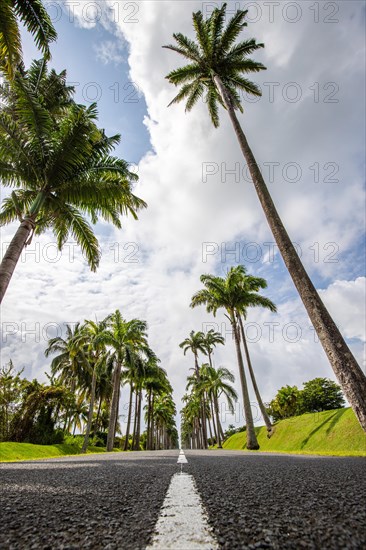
x=246 y=500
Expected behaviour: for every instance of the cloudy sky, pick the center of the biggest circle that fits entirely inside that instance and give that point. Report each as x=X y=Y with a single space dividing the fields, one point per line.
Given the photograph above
x=307 y=132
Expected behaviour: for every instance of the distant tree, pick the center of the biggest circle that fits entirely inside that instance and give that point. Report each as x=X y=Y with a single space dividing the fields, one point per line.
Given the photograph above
x=285 y=404
x=230 y=430
x=34 y=421
x=11 y=389
x=320 y=394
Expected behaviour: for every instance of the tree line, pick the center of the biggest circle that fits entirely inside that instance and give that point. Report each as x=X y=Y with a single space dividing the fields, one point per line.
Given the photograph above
x=235 y=294
x=319 y=394
x=90 y=365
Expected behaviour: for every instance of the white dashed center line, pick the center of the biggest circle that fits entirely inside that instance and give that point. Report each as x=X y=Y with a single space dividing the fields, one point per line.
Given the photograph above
x=182 y=523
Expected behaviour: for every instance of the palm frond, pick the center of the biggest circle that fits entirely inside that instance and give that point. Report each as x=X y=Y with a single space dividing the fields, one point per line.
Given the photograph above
x=10 y=41
x=35 y=18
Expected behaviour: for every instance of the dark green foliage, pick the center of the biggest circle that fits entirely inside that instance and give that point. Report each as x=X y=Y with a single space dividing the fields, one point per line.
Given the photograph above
x=34 y=421
x=11 y=392
x=214 y=53
x=33 y=15
x=319 y=394
x=59 y=162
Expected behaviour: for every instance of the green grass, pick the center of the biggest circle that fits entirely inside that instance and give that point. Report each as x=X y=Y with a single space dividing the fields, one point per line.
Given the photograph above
x=334 y=432
x=13 y=452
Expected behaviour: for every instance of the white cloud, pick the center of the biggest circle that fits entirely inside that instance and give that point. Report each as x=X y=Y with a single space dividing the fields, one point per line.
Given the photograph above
x=110 y=51
x=346 y=301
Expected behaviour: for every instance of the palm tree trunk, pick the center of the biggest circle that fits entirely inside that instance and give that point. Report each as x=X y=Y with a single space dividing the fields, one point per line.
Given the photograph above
x=219 y=442
x=203 y=412
x=12 y=255
x=98 y=413
x=148 y=429
x=220 y=430
x=135 y=421
x=138 y=426
x=125 y=448
x=266 y=418
x=252 y=443
x=213 y=420
x=345 y=366
x=116 y=421
x=114 y=408
x=152 y=445
x=209 y=427
x=204 y=423
x=17 y=244
x=91 y=410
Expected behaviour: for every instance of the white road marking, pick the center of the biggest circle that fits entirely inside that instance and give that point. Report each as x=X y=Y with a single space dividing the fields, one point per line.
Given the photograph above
x=183 y=522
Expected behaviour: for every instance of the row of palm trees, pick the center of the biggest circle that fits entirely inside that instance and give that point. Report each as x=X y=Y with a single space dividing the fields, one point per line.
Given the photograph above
x=203 y=397
x=234 y=293
x=94 y=360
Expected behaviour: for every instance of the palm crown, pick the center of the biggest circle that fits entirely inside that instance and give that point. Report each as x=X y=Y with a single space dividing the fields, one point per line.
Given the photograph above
x=235 y=293
x=60 y=163
x=215 y=54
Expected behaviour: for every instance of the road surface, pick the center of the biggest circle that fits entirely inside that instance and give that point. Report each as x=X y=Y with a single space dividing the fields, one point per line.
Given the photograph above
x=113 y=501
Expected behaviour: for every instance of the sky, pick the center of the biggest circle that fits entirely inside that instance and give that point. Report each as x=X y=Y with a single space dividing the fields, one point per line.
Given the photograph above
x=307 y=132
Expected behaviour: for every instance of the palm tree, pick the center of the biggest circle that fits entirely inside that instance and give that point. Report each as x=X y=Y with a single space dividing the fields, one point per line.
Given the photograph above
x=196 y=343
x=156 y=383
x=216 y=67
x=216 y=383
x=249 y=286
x=70 y=363
x=96 y=357
x=163 y=413
x=123 y=337
x=36 y=20
x=212 y=338
x=60 y=164
x=191 y=415
x=227 y=293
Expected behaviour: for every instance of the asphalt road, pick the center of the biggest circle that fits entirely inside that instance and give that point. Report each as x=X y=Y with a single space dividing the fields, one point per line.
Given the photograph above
x=252 y=500
x=93 y=502
x=282 y=501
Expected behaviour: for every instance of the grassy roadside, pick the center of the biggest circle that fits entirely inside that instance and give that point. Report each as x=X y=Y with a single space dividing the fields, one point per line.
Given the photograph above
x=336 y=433
x=14 y=452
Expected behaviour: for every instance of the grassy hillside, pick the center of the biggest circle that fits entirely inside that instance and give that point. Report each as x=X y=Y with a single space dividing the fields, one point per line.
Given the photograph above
x=329 y=432
x=10 y=452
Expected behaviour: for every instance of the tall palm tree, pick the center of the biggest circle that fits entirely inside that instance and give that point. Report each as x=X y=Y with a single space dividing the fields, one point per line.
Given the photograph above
x=212 y=338
x=96 y=356
x=216 y=384
x=156 y=382
x=217 y=68
x=122 y=337
x=227 y=294
x=191 y=415
x=163 y=413
x=36 y=20
x=60 y=164
x=196 y=343
x=70 y=363
x=249 y=286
